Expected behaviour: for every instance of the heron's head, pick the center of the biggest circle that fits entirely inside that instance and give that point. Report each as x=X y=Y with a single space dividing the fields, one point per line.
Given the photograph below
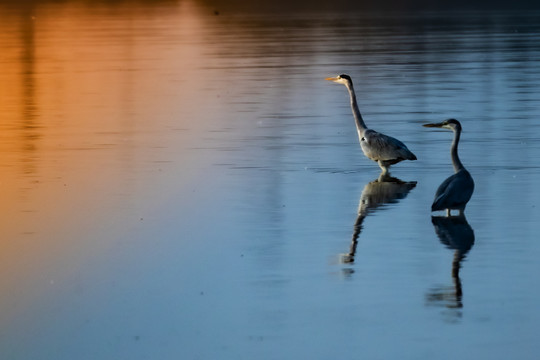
x=341 y=79
x=451 y=124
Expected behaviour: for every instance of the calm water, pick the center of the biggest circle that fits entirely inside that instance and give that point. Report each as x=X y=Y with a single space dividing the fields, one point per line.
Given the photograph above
x=178 y=181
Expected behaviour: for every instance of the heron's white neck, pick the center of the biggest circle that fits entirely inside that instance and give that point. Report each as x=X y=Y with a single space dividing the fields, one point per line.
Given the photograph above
x=454 y=151
x=360 y=125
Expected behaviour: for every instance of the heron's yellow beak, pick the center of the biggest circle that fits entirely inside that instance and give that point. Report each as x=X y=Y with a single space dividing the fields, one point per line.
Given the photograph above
x=332 y=78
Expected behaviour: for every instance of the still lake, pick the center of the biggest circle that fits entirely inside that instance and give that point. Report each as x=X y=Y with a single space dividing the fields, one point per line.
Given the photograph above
x=178 y=181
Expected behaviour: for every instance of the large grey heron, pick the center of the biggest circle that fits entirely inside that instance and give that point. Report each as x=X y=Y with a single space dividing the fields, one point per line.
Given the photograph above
x=455 y=191
x=378 y=147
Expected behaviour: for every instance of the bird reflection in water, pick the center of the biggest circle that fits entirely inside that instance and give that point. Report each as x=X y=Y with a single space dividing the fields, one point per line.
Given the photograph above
x=456 y=234
x=377 y=193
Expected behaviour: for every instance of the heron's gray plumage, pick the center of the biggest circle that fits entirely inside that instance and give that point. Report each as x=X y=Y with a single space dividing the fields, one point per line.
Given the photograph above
x=378 y=147
x=455 y=192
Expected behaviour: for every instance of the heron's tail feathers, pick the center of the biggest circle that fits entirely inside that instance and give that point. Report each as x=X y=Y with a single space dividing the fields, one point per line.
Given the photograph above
x=408 y=155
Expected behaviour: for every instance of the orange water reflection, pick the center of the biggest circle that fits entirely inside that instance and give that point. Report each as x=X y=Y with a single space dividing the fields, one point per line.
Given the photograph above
x=94 y=112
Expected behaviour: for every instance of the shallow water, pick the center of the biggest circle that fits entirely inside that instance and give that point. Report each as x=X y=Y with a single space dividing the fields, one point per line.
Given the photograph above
x=179 y=181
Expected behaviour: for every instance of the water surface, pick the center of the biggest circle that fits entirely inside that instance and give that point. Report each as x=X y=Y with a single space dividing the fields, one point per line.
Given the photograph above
x=178 y=181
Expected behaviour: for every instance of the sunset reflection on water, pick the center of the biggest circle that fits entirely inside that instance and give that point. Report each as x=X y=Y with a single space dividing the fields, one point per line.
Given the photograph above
x=91 y=97
x=98 y=110
x=178 y=181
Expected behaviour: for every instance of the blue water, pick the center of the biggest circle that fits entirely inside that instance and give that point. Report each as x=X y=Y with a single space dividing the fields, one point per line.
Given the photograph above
x=187 y=185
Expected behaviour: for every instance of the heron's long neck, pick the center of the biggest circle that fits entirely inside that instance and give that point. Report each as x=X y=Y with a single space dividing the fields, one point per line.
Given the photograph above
x=454 y=151
x=360 y=125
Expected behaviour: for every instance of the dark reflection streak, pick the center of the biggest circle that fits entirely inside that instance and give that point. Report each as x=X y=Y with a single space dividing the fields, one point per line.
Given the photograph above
x=349 y=258
x=456 y=265
x=377 y=193
x=455 y=233
x=28 y=104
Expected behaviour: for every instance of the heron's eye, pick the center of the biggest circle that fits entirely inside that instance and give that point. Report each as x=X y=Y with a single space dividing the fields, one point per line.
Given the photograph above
x=363 y=139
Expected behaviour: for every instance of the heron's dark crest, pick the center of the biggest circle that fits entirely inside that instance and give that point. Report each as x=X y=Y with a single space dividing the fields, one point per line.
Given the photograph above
x=346 y=77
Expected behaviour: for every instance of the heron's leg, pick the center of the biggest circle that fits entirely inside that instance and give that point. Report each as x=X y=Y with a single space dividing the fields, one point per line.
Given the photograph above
x=383 y=167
